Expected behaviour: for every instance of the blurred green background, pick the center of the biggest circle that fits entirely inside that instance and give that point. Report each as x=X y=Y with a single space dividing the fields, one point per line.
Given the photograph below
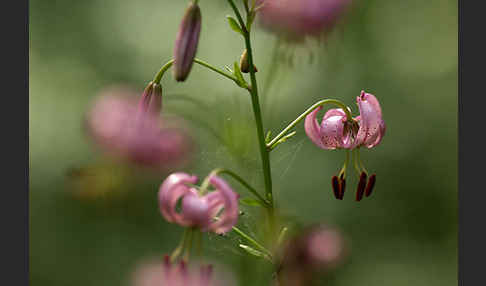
x=404 y=52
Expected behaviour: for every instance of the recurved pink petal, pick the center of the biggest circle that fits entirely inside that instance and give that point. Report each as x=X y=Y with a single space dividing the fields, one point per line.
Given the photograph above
x=229 y=199
x=171 y=190
x=334 y=112
x=312 y=128
x=371 y=123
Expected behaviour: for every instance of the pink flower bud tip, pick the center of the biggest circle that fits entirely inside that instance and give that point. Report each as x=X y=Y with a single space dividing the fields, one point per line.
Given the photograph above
x=186 y=42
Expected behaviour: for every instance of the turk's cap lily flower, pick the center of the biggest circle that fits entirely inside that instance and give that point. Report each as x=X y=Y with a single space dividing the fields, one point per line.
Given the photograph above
x=336 y=132
x=297 y=19
x=129 y=127
x=216 y=211
x=186 y=42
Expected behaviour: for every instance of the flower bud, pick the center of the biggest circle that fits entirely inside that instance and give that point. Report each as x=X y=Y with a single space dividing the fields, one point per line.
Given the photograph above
x=244 y=64
x=186 y=42
x=151 y=100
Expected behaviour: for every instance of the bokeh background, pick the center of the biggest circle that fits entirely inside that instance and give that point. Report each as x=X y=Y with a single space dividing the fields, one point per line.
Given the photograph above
x=93 y=220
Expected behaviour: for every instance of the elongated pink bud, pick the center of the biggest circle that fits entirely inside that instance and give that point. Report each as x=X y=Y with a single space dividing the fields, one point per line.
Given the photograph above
x=186 y=42
x=151 y=100
x=371 y=185
x=361 y=186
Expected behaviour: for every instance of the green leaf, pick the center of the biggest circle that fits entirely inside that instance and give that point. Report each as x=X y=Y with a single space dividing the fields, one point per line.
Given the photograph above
x=228 y=69
x=268 y=137
x=251 y=202
x=239 y=75
x=251 y=250
x=282 y=234
x=234 y=25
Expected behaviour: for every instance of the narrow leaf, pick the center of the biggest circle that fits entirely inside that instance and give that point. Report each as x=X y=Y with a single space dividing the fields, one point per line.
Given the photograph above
x=234 y=25
x=251 y=250
x=251 y=202
x=239 y=75
x=268 y=137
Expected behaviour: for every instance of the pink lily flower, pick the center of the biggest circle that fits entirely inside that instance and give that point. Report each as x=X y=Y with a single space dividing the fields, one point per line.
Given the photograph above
x=336 y=132
x=128 y=126
x=318 y=247
x=159 y=272
x=297 y=19
x=216 y=211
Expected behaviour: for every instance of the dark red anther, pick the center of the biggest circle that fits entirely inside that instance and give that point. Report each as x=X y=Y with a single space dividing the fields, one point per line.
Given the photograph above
x=183 y=267
x=342 y=188
x=166 y=264
x=371 y=185
x=361 y=186
x=335 y=186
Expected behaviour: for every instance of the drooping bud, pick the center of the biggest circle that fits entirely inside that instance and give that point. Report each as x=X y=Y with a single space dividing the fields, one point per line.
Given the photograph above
x=244 y=64
x=371 y=185
x=361 y=186
x=186 y=42
x=151 y=100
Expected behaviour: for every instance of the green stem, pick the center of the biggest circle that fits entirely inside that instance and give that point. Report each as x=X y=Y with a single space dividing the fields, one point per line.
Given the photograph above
x=163 y=69
x=160 y=74
x=252 y=190
x=180 y=247
x=188 y=247
x=264 y=153
x=303 y=115
x=215 y=69
x=343 y=170
x=355 y=163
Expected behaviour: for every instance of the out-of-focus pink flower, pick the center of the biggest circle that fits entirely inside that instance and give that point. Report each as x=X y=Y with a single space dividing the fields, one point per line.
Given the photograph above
x=186 y=42
x=299 y=18
x=164 y=273
x=199 y=211
x=336 y=132
x=316 y=248
x=128 y=126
